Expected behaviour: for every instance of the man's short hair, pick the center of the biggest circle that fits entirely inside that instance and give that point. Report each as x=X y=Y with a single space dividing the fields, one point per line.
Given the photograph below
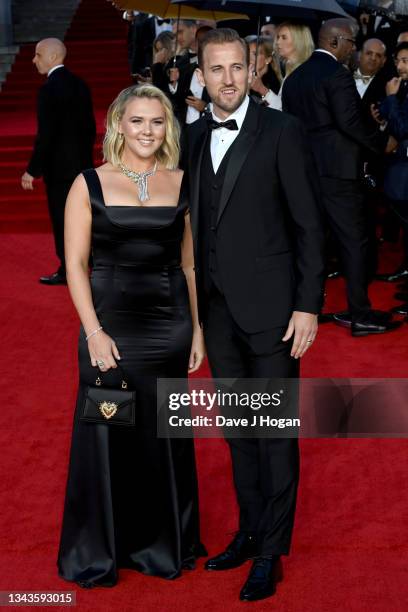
x=190 y=23
x=401 y=47
x=221 y=36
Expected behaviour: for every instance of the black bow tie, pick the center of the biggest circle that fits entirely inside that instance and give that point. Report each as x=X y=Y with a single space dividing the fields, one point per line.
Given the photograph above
x=362 y=77
x=230 y=124
x=161 y=21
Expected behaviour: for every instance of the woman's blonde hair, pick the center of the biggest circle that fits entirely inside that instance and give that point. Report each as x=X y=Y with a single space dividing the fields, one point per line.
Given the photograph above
x=113 y=143
x=302 y=42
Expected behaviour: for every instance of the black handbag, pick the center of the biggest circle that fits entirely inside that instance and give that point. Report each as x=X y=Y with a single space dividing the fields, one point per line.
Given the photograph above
x=109 y=406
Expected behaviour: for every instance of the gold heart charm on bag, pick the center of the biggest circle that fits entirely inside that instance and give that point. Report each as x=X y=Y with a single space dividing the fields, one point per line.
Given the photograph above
x=108 y=409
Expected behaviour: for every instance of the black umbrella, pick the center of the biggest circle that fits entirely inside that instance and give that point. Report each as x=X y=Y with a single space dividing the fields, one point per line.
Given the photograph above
x=289 y=9
x=390 y=8
x=386 y=7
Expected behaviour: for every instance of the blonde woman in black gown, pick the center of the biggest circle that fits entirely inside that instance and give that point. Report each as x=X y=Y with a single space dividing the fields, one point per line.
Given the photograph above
x=131 y=499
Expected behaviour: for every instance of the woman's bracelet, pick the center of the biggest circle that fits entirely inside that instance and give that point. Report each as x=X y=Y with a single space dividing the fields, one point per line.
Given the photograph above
x=95 y=331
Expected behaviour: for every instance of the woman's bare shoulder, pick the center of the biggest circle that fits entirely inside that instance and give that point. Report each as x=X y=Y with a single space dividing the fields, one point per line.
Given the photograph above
x=174 y=175
x=105 y=169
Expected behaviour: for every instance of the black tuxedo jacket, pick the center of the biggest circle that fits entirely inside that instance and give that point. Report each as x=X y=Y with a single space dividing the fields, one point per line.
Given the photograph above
x=142 y=32
x=375 y=93
x=183 y=89
x=268 y=233
x=66 y=128
x=323 y=94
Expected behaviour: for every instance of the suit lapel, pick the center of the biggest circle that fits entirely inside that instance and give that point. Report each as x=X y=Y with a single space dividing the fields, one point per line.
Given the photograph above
x=196 y=156
x=239 y=153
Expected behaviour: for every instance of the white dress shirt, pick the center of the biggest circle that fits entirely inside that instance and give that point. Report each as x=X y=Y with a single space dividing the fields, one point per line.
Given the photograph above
x=274 y=100
x=222 y=139
x=361 y=86
x=197 y=90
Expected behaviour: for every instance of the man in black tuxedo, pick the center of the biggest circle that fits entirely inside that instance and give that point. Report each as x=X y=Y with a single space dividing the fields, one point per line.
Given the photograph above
x=259 y=268
x=394 y=111
x=65 y=138
x=188 y=96
x=371 y=78
x=323 y=94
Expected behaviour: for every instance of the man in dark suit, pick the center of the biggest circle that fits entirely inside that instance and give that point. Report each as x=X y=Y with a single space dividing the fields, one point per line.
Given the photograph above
x=371 y=78
x=394 y=111
x=64 y=141
x=323 y=94
x=188 y=96
x=259 y=268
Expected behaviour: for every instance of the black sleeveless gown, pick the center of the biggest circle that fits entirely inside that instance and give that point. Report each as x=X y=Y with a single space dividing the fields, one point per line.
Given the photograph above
x=131 y=498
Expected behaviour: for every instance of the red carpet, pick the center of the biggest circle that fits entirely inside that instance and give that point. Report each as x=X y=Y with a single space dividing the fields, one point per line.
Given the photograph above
x=350 y=547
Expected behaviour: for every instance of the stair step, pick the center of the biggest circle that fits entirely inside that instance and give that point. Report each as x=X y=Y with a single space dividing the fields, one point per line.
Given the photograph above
x=25 y=197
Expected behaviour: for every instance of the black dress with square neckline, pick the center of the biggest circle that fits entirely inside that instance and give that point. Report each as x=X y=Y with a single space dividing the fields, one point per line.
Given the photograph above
x=132 y=498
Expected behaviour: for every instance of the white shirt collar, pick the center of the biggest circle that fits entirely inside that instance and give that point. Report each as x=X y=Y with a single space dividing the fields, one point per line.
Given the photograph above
x=238 y=115
x=55 y=68
x=328 y=53
x=365 y=76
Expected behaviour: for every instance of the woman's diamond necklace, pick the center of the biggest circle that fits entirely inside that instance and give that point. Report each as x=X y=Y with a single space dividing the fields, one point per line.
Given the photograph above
x=140 y=179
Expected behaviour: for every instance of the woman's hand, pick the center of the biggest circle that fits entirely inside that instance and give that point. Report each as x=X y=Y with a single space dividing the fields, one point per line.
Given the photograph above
x=103 y=351
x=197 y=353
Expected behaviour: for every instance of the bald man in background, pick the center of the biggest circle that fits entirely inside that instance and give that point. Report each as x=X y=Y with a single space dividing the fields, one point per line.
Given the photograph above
x=322 y=93
x=65 y=138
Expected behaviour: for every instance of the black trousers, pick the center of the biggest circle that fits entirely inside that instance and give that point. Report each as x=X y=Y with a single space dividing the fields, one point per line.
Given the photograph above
x=343 y=202
x=57 y=192
x=400 y=210
x=266 y=471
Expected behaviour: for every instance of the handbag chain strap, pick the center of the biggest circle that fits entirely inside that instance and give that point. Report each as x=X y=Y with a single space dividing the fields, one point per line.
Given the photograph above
x=124 y=385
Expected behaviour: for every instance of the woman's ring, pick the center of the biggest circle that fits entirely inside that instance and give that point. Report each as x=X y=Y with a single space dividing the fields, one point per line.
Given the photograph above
x=101 y=364
x=309 y=341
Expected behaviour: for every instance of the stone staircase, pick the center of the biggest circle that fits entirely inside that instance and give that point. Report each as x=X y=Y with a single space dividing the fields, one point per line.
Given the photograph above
x=7 y=56
x=32 y=21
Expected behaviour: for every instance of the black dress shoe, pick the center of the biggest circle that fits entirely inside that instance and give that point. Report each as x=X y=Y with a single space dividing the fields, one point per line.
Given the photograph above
x=401 y=309
x=262 y=579
x=401 y=295
x=391 y=277
x=343 y=319
x=333 y=274
x=326 y=317
x=242 y=548
x=373 y=325
x=55 y=279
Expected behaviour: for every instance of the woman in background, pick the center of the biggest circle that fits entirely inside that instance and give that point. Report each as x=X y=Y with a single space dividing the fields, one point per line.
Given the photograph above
x=293 y=45
x=268 y=75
